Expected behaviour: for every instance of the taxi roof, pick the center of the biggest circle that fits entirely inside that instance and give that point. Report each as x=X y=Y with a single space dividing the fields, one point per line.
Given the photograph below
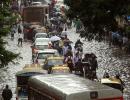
x=111 y=80
x=55 y=57
x=31 y=68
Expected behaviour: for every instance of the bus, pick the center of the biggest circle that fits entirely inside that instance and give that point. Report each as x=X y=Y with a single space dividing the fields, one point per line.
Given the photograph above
x=69 y=87
x=22 y=79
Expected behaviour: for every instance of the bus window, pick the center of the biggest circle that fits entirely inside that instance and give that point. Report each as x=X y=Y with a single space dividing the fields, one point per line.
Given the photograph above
x=35 y=95
x=22 y=80
x=22 y=91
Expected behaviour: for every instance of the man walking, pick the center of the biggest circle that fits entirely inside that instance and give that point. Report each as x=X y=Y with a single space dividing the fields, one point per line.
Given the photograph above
x=20 y=39
x=7 y=93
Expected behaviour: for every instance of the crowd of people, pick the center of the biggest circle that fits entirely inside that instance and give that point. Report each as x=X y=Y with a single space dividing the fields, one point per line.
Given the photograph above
x=78 y=63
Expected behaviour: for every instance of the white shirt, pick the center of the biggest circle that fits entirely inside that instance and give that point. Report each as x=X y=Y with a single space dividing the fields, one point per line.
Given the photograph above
x=20 y=35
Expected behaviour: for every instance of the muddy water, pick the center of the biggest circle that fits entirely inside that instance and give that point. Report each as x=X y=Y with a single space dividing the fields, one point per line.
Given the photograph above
x=109 y=59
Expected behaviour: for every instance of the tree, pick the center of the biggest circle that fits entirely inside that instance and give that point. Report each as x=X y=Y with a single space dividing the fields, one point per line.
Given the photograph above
x=98 y=14
x=6 y=21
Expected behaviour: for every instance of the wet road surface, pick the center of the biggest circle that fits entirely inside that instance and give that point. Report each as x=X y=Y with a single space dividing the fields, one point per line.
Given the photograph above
x=109 y=59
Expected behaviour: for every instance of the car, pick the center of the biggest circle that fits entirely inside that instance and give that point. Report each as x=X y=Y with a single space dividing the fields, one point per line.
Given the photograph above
x=113 y=82
x=43 y=54
x=42 y=40
x=38 y=47
x=40 y=35
x=22 y=78
x=55 y=64
x=40 y=44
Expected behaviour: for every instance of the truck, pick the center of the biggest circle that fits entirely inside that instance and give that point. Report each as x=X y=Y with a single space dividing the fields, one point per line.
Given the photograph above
x=34 y=20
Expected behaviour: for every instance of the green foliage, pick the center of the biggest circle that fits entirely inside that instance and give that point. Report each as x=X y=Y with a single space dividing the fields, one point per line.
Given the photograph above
x=4 y=31
x=6 y=21
x=97 y=14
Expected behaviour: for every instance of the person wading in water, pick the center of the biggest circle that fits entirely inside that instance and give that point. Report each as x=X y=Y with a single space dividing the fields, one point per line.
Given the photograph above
x=7 y=93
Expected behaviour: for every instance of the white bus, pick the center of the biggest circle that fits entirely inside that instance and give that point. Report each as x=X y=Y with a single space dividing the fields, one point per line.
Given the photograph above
x=69 y=87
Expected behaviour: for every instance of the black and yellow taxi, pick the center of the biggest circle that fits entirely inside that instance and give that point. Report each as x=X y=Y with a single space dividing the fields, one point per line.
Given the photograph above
x=113 y=82
x=55 y=64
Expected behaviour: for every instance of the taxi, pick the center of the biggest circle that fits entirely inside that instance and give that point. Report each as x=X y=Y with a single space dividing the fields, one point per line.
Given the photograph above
x=22 y=77
x=112 y=82
x=55 y=64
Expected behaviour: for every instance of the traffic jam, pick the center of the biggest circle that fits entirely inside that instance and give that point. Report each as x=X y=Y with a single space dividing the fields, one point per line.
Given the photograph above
x=60 y=68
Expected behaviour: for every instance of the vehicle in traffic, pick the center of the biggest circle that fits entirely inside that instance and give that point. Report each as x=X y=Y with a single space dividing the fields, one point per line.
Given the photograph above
x=69 y=87
x=113 y=82
x=39 y=44
x=55 y=63
x=22 y=79
x=38 y=47
x=42 y=40
x=41 y=55
x=40 y=35
x=35 y=16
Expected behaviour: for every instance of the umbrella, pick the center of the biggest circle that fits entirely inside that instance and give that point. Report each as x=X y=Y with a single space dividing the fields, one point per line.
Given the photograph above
x=55 y=38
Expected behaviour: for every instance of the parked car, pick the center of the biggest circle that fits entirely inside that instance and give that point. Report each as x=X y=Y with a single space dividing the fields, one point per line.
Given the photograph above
x=43 y=54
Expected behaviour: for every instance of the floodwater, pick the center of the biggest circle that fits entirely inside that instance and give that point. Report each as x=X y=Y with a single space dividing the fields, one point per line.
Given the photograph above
x=110 y=59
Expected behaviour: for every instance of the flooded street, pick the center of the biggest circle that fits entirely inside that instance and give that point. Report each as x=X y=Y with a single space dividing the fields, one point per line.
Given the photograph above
x=109 y=59
x=7 y=74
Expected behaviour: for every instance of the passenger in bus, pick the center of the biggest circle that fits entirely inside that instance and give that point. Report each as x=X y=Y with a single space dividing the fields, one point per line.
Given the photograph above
x=7 y=93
